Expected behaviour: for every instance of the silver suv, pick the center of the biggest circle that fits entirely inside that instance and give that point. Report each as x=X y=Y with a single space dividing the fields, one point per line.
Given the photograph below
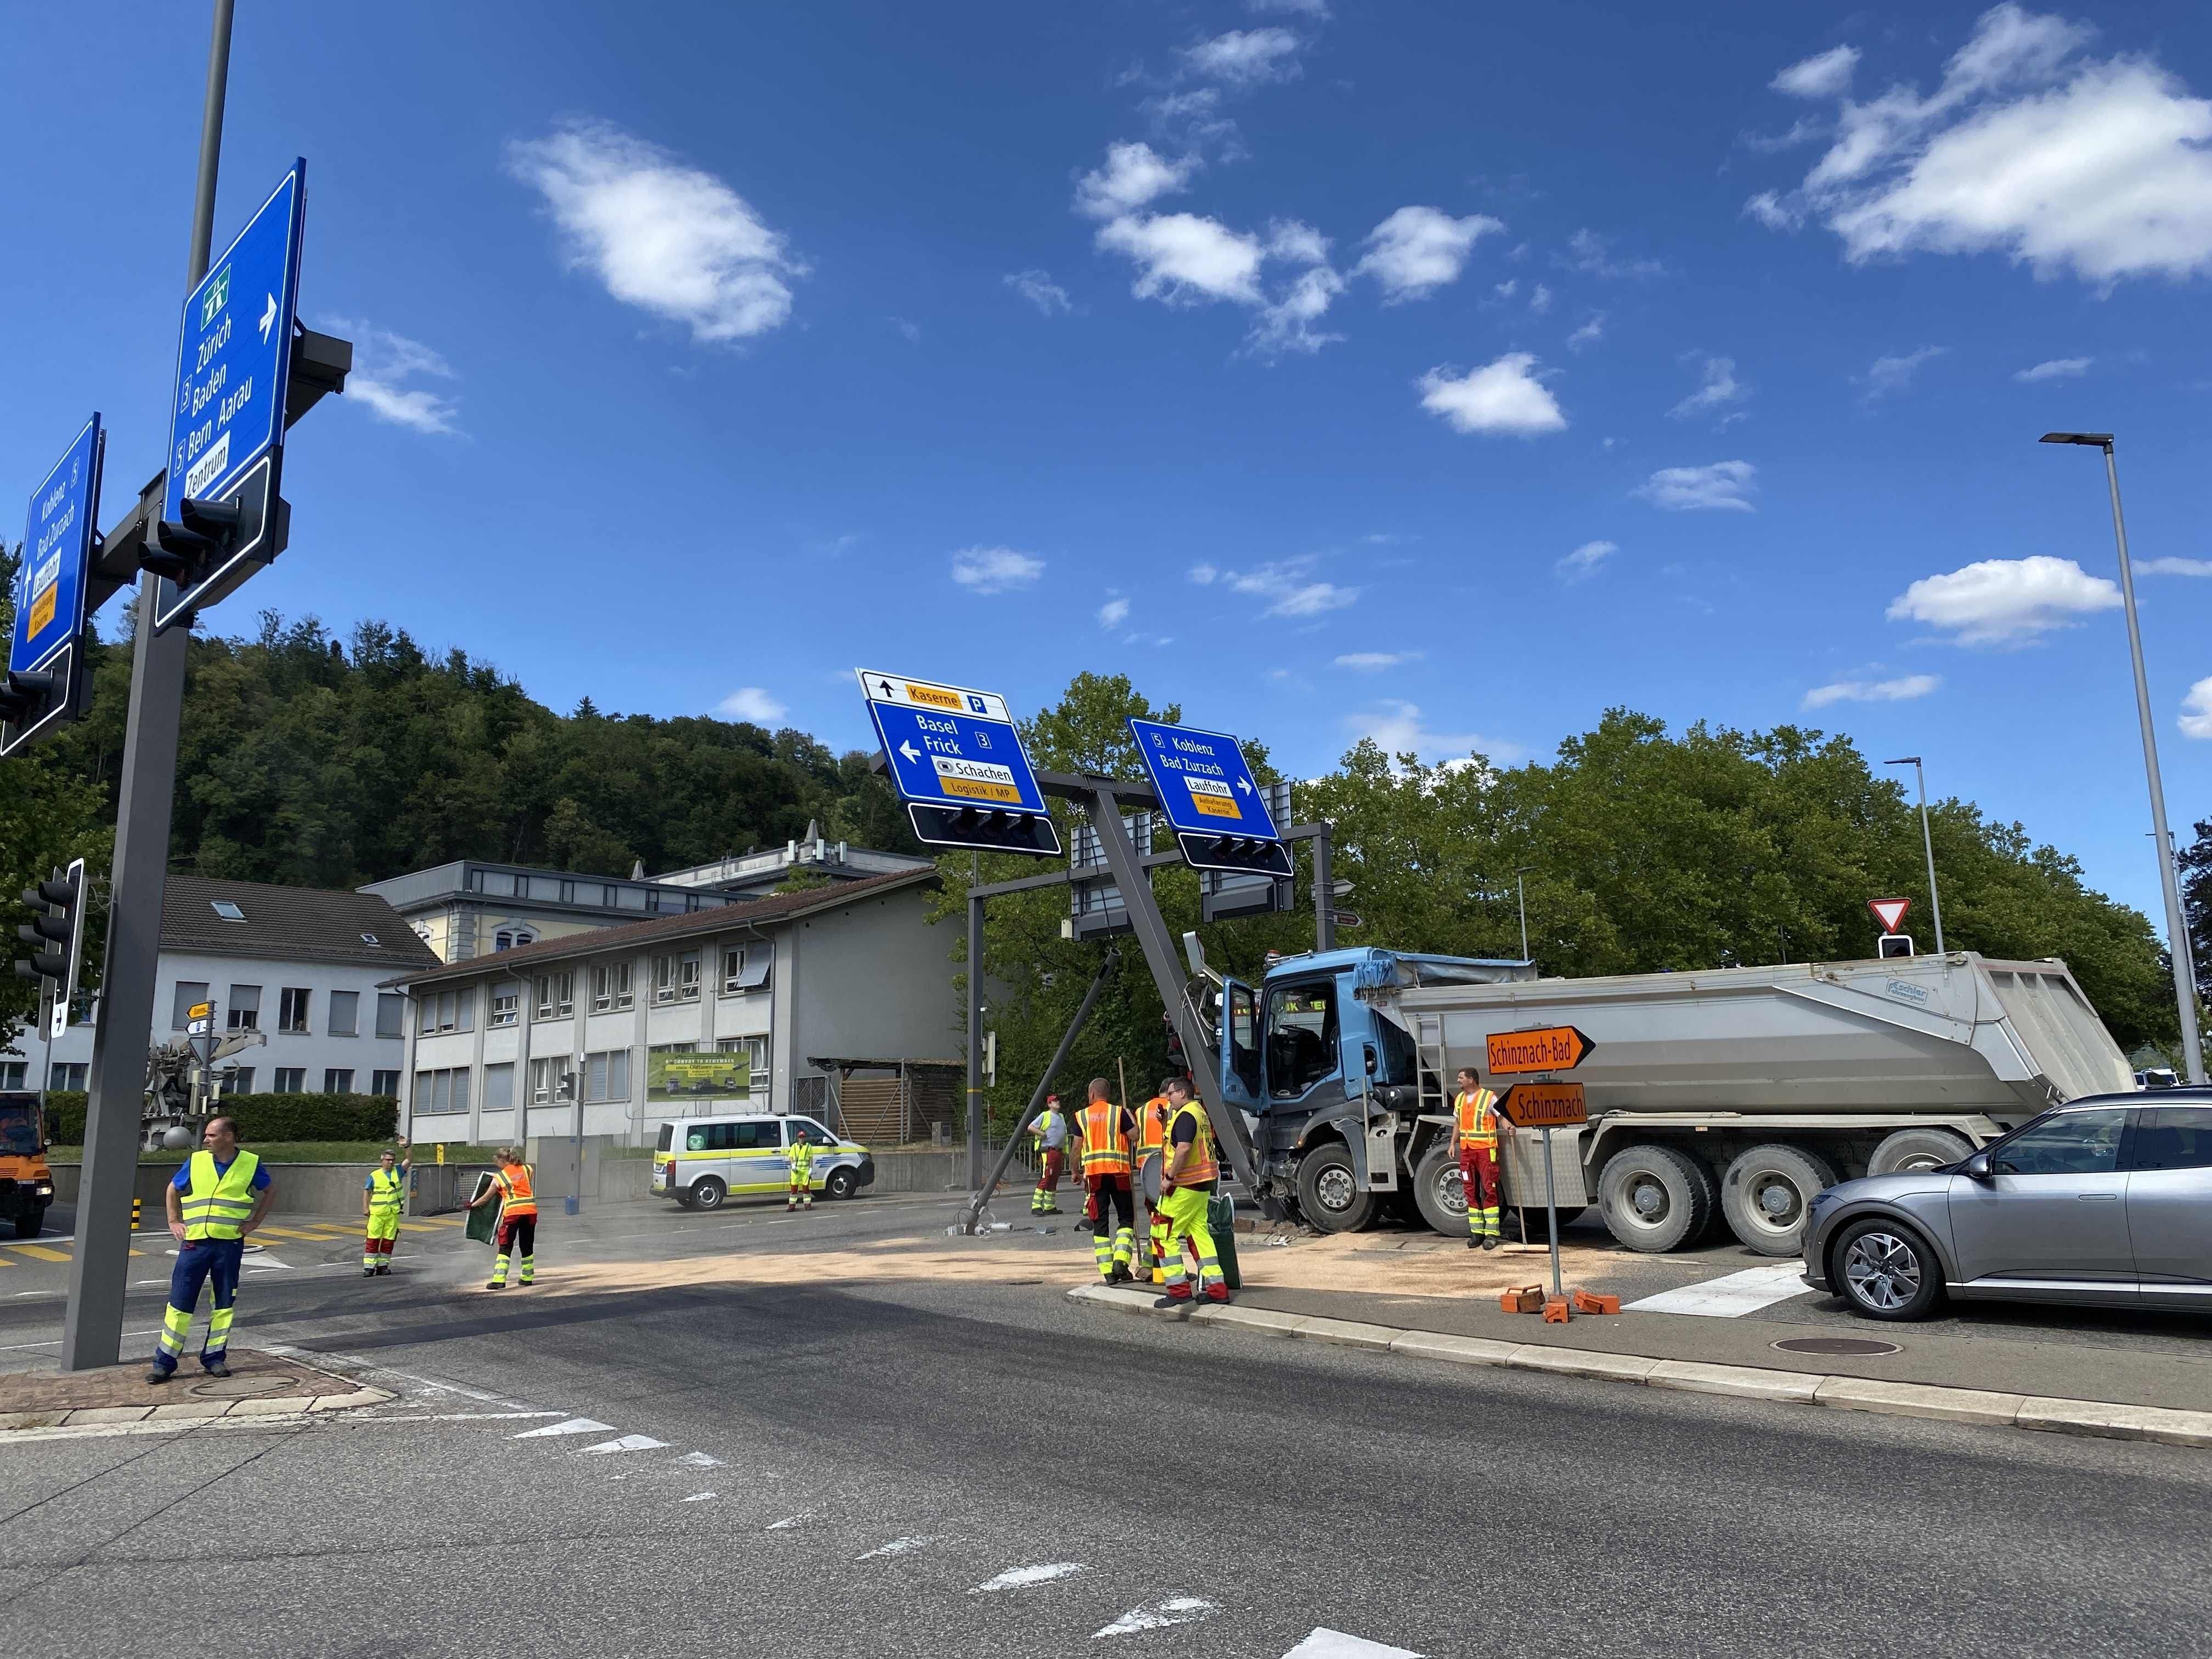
x=2106 y=1200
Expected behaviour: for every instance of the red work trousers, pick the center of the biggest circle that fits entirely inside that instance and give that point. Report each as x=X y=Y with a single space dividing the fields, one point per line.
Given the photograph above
x=1478 y=1174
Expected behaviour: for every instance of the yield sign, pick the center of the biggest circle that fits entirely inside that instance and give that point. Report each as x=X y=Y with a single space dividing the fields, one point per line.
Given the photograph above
x=1889 y=912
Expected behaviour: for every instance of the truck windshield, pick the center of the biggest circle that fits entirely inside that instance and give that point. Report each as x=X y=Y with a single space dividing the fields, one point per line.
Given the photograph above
x=1302 y=1046
x=19 y=1128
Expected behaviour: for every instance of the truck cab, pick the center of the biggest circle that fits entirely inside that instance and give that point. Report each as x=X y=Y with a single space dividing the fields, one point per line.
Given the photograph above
x=27 y=1184
x=1344 y=1112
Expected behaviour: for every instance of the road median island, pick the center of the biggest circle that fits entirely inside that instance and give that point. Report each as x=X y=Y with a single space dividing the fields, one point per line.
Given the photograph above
x=260 y=1386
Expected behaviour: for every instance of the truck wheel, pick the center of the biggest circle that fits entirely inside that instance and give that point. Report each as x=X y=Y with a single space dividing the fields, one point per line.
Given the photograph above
x=1886 y=1271
x=1765 y=1194
x=1911 y=1150
x=1328 y=1191
x=707 y=1193
x=1440 y=1194
x=1654 y=1199
x=28 y=1222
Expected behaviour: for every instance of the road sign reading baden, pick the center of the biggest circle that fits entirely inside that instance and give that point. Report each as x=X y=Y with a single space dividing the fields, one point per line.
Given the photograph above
x=957 y=761
x=1210 y=798
x=1553 y=1048
x=234 y=363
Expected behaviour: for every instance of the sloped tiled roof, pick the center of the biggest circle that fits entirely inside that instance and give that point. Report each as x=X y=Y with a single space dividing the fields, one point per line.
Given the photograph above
x=776 y=907
x=288 y=924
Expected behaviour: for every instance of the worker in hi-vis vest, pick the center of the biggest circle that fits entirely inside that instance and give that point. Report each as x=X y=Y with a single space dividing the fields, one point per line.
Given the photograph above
x=1050 y=1129
x=1475 y=1109
x=517 y=1219
x=1152 y=1136
x=1107 y=1130
x=217 y=1198
x=1192 y=1172
x=801 y=1155
x=380 y=1201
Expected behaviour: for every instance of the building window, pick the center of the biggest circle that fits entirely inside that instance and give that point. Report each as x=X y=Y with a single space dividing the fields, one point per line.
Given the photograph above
x=499 y=1087
x=446 y=1090
x=547 y=1075
x=556 y=994
x=676 y=977
x=606 y=1076
x=503 y=941
x=390 y=1014
x=506 y=1004
x=733 y=969
x=610 y=988
x=345 y=1013
x=66 y=1076
x=15 y=1074
x=291 y=1080
x=756 y=1048
x=237 y=1080
x=292 y=1003
x=747 y=969
x=337 y=1080
x=227 y=910
x=384 y=1085
x=447 y=1011
x=245 y=1013
x=191 y=993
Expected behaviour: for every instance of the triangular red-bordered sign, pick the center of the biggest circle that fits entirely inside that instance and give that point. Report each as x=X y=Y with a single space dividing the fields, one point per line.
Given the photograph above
x=1889 y=912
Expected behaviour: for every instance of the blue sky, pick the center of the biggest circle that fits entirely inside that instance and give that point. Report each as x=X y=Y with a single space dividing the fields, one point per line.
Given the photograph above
x=1448 y=374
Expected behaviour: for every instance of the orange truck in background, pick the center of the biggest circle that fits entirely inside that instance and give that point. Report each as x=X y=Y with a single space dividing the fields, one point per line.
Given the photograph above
x=27 y=1184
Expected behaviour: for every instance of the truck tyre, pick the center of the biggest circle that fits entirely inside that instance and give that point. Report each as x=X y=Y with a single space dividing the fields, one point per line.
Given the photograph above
x=28 y=1222
x=1329 y=1197
x=1440 y=1192
x=1653 y=1198
x=1910 y=1150
x=1884 y=1270
x=1767 y=1193
x=707 y=1193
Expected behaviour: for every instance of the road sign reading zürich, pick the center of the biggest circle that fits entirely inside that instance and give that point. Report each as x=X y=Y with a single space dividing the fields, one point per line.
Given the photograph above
x=956 y=762
x=45 y=666
x=226 y=414
x=1210 y=799
x=1553 y=1048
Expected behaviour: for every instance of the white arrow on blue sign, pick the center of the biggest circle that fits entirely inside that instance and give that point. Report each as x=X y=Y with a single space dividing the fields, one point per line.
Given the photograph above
x=950 y=746
x=1205 y=785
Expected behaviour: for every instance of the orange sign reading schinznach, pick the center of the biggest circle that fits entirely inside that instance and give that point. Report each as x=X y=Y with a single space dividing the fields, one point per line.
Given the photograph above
x=1554 y=1048
x=1544 y=1105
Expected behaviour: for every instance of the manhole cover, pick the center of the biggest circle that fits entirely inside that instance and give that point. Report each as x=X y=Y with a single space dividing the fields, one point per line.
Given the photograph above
x=1859 y=1347
x=241 y=1388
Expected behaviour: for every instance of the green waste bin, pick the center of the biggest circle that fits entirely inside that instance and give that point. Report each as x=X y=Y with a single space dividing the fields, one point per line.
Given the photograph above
x=1221 y=1221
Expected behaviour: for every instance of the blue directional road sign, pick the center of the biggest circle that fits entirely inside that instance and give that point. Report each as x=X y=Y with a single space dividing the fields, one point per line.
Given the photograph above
x=227 y=416
x=957 y=761
x=46 y=657
x=1210 y=799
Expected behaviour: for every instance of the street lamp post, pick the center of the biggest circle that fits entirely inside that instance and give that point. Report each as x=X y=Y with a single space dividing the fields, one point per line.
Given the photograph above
x=2177 y=929
x=1928 y=842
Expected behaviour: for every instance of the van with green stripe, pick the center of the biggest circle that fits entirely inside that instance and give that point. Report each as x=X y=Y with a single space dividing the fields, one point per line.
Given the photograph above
x=701 y=1162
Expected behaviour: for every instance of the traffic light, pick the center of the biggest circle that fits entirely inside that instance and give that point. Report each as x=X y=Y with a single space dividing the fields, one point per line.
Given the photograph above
x=1893 y=944
x=214 y=545
x=56 y=936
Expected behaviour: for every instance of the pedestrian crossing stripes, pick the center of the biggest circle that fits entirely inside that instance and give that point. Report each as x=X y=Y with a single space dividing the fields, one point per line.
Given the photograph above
x=1732 y=1295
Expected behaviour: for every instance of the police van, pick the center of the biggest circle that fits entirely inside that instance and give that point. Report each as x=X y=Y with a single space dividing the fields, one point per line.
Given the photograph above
x=702 y=1161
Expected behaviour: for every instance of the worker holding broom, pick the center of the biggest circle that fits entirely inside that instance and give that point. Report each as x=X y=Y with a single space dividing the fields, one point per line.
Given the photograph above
x=1186 y=1184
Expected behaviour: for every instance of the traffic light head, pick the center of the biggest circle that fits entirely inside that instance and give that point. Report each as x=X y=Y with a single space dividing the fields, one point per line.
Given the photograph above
x=1893 y=944
x=56 y=936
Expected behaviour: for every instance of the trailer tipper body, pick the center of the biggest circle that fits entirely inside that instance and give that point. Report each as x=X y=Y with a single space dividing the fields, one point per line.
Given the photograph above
x=1721 y=1098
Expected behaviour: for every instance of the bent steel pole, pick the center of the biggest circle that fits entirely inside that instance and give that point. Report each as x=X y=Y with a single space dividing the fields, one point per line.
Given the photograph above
x=987 y=1189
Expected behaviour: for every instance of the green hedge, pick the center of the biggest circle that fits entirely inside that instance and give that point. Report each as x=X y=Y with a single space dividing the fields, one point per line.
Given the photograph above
x=261 y=1117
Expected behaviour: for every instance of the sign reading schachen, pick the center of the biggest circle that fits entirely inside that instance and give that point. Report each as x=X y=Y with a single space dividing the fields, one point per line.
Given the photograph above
x=50 y=585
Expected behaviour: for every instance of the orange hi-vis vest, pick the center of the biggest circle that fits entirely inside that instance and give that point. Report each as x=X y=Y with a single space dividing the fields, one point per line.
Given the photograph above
x=1201 y=1166
x=516 y=1198
x=1105 y=1146
x=1477 y=1110
x=1152 y=1127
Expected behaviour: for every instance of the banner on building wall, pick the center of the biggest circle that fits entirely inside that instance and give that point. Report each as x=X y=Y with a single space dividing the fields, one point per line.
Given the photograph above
x=721 y=1076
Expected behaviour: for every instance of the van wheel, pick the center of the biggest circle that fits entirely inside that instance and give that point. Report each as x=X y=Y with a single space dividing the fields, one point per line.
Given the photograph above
x=707 y=1193
x=1766 y=1193
x=1909 y=1151
x=1328 y=1191
x=841 y=1184
x=1653 y=1198
x=1440 y=1194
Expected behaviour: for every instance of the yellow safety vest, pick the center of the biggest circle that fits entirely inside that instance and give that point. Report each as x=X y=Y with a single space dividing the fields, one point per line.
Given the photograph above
x=1105 y=1146
x=802 y=1156
x=1152 y=1127
x=1201 y=1166
x=384 y=1190
x=218 y=1206
x=1477 y=1111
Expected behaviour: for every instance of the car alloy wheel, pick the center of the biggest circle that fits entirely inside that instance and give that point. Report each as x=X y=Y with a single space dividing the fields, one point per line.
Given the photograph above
x=1882 y=1271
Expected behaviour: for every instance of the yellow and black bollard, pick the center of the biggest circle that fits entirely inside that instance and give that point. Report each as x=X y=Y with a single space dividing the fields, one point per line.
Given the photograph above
x=134 y=1203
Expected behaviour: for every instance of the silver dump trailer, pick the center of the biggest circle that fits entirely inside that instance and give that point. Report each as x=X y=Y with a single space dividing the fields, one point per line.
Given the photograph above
x=1733 y=1096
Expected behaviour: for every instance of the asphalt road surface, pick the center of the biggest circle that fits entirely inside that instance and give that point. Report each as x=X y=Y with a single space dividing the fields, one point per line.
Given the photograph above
x=929 y=1468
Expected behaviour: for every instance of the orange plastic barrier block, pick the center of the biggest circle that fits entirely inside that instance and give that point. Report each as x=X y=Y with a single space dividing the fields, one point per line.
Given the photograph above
x=1555 y=1311
x=1589 y=1302
x=1526 y=1299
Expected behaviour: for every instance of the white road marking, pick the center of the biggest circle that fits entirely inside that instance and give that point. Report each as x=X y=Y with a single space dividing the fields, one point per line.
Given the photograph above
x=1158 y=1615
x=897 y=1546
x=363 y=1419
x=285 y=1351
x=700 y=1498
x=626 y=1443
x=1326 y=1644
x=1043 y=1572
x=698 y=1461
x=790 y=1521
x=573 y=1425
x=1732 y=1295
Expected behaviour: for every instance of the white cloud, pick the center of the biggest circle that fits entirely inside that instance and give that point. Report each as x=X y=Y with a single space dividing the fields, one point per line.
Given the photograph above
x=1244 y=57
x=1288 y=585
x=1719 y=389
x=2196 y=711
x=1373 y=662
x=2005 y=601
x=1724 y=484
x=1508 y=289
x=2100 y=166
x=1398 y=728
x=1588 y=334
x=1903 y=689
x=1539 y=300
x=381 y=361
x=2173 y=567
x=1770 y=210
x=1592 y=254
x=1288 y=324
x=660 y=234
x=1296 y=240
x=1040 y=290
x=1501 y=397
x=1113 y=613
x=1205 y=575
x=995 y=569
x=1887 y=374
x=750 y=702
x=1417 y=250
x=1826 y=75
x=1584 y=561
x=2058 y=369
x=1134 y=174
x=1184 y=259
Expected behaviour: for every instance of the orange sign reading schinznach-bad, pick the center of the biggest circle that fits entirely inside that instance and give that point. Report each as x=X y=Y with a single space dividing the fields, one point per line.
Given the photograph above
x=1553 y=1049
